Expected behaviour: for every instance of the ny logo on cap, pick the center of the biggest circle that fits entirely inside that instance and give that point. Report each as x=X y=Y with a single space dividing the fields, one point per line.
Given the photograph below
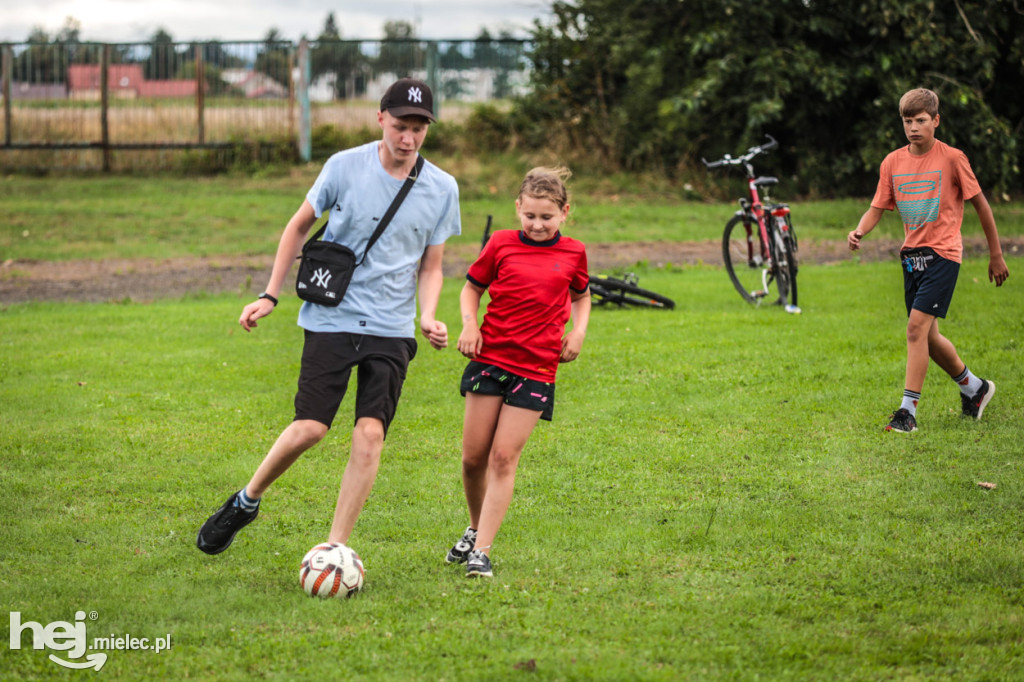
x=415 y=94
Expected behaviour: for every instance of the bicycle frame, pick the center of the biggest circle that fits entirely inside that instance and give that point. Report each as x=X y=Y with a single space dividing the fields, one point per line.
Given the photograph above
x=755 y=209
x=752 y=207
x=775 y=253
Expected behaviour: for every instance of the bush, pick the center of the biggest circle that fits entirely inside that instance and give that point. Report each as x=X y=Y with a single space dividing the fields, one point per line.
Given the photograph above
x=327 y=139
x=488 y=129
x=244 y=154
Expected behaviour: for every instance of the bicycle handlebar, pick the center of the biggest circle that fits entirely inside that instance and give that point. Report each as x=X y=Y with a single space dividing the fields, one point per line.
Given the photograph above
x=728 y=160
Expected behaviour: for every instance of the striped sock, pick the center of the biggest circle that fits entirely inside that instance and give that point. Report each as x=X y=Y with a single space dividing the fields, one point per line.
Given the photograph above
x=910 y=399
x=245 y=502
x=969 y=384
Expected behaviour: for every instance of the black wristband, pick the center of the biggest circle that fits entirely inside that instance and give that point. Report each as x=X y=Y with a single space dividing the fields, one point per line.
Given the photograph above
x=269 y=298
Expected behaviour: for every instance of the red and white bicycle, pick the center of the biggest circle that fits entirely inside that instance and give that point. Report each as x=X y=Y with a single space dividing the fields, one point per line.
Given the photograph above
x=759 y=244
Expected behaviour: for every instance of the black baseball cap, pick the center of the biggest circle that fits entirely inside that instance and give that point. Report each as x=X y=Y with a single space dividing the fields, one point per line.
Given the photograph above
x=409 y=97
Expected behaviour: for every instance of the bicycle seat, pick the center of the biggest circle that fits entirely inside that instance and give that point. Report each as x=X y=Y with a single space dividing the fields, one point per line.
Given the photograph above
x=766 y=181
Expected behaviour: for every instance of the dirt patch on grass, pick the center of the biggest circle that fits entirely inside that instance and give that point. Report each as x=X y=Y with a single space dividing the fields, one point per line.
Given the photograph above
x=148 y=279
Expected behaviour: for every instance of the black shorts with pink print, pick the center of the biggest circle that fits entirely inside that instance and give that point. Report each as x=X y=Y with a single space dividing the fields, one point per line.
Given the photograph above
x=518 y=391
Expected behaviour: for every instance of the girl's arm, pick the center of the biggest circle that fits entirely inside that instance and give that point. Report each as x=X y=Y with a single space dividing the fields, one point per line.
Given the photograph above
x=572 y=344
x=470 y=341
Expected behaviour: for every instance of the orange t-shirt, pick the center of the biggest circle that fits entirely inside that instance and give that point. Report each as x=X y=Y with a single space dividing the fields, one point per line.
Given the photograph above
x=929 y=191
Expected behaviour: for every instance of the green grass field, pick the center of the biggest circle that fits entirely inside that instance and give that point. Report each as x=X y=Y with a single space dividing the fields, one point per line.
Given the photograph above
x=715 y=498
x=61 y=217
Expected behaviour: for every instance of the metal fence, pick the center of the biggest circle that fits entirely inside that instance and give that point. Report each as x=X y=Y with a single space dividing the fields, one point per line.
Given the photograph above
x=122 y=106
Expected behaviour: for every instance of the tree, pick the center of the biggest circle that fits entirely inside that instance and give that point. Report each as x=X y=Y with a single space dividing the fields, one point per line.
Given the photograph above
x=330 y=55
x=452 y=64
x=214 y=54
x=331 y=30
x=502 y=55
x=215 y=60
x=400 y=52
x=69 y=32
x=163 y=60
x=659 y=83
x=39 y=62
x=274 y=57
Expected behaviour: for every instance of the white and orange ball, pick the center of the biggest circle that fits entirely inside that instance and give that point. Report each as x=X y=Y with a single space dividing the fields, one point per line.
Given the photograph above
x=331 y=569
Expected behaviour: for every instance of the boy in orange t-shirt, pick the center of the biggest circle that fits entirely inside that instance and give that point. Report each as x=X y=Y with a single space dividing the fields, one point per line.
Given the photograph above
x=928 y=181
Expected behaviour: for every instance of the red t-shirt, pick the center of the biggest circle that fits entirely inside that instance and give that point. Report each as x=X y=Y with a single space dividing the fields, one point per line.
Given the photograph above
x=929 y=191
x=529 y=284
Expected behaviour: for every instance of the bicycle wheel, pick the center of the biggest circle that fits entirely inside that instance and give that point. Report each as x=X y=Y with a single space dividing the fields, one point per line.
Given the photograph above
x=604 y=290
x=787 y=262
x=792 y=233
x=749 y=267
x=784 y=281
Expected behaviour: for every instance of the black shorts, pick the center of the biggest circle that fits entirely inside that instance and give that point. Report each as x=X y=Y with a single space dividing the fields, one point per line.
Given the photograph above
x=327 y=362
x=518 y=391
x=928 y=281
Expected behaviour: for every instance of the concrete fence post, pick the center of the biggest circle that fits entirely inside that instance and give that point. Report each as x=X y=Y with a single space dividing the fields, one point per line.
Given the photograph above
x=305 y=141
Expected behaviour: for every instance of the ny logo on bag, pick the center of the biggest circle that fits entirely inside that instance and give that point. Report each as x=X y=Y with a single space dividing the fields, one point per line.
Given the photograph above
x=321 y=277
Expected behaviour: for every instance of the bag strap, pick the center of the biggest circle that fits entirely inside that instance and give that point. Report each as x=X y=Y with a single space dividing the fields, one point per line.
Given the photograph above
x=393 y=208
x=316 y=237
x=388 y=215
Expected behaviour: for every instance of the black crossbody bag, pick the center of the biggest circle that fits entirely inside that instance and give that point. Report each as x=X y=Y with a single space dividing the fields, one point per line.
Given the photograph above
x=325 y=268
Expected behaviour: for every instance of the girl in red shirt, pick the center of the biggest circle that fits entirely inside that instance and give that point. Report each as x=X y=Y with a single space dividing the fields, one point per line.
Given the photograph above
x=537 y=279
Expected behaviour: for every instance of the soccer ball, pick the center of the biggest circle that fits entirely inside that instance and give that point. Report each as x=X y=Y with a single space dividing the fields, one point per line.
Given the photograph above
x=331 y=569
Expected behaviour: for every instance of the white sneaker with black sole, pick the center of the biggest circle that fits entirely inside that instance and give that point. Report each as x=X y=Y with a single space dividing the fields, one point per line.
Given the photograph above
x=460 y=552
x=479 y=564
x=975 y=405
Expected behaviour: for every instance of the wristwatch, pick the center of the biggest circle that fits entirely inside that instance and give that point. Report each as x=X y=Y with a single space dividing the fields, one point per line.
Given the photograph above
x=269 y=298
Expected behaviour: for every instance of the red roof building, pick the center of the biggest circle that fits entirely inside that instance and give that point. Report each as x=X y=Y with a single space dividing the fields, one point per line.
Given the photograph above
x=123 y=80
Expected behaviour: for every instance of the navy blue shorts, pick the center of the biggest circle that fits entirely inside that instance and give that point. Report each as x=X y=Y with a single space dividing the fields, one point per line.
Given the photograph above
x=518 y=391
x=327 y=361
x=928 y=281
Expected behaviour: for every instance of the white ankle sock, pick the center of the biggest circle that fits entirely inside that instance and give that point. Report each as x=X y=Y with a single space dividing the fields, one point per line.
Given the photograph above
x=910 y=399
x=968 y=383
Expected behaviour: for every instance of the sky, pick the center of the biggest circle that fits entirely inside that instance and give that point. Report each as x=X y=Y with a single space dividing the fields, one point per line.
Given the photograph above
x=235 y=20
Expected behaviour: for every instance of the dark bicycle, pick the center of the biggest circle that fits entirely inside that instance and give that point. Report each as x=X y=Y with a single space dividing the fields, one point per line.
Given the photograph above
x=759 y=243
x=624 y=291
x=620 y=291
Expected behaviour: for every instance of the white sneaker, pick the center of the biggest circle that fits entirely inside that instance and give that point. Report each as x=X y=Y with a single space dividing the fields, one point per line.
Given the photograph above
x=975 y=405
x=460 y=552
x=479 y=564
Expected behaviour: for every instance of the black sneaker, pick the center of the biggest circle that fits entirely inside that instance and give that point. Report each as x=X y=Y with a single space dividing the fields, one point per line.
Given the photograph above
x=460 y=552
x=219 y=530
x=479 y=564
x=975 y=405
x=902 y=421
